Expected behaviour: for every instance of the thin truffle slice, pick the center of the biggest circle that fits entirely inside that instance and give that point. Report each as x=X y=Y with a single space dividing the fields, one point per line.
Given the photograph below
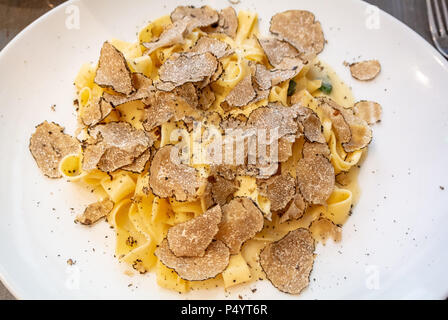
x=49 y=145
x=275 y=116
x=288 y=262
x=142 y=84
x=206 y=98
x=360 y=132
x=365 y=70
x=174 y=34
x=139 y=163
x=117 y=144
x=368 y=111
x=312 y=127
x=170 y=178
x=280 y=190
x=285 y=148
x=300 y=29
x=276 y=50
x=288 y=69
x=113 y=71
x=165 y=106
x=240 y=95
x=186 y=67
x=241 y=220
x=340 y=126
x=227 y=23
x=361 y=136
x=296 y=208
x=95 y=212
x=214 y=261
x=204 y=16
x=206 y=44
x=315 y=148
x=315 y=178
x=191 y=238
x=95 y=112
x=188 y=93
x=222 y=189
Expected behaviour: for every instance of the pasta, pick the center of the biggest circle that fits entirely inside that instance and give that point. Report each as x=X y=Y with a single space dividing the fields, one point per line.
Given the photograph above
x=142 y=217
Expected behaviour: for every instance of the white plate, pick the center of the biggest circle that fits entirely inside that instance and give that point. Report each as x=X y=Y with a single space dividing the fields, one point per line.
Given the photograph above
x=394 y=245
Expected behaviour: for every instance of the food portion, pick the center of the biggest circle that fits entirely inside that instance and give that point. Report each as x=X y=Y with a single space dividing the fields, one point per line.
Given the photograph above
x=219 y=155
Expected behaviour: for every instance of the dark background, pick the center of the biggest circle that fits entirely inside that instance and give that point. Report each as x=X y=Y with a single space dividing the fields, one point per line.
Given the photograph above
x=17 y=14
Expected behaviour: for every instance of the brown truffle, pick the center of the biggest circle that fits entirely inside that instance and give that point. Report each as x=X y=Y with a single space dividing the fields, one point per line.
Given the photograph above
x=95 y=212
x=227 y=23
x=191 y=238
x=116 y=144
x=170 y=178
x=315 y=178
x=206 y=44
x=241 y=220
x=296 y=208
x=280 y=190
x=214 y=261
x=365 y=70
x=186 y=67
x=288 y=262
x=204 y=16
x=49 y=145
x=368 y=111
x=300 y=29
x=277 y=50
x=113 y=71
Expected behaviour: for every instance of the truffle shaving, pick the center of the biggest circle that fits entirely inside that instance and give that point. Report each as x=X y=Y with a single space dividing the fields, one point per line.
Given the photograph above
x=95 y=112
x=312 y=127
x=241 y=220
x=170 y=178
x=174 y=34
x=340 y=126
x=227 y=23
x=315 y=178
x=222 y=190
x=49 y=145
x=203 y=16
x=191 y=238
x=360 y=132
x=275 y=116
x=296 y=208
x=300 y=29
x=206 y=98
x=288 y=262
x=280 y=190
x=117 y=144
x=241 y=95
x=166 y=106
x=186 y=67
x=365 y=70
x=214 y=261
x=113 y=71
x=277 y=50
x=288 y=69
x=314 y=149
x=139 y=163
x=142 y=84
x=368 y=111
x=95 y=212
x=216 y=47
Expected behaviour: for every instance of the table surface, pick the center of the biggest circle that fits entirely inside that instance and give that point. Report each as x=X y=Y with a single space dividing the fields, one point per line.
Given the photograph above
x=15 y=15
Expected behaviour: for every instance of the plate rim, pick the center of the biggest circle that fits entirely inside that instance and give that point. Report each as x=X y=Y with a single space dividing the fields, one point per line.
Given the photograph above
x=14 y=288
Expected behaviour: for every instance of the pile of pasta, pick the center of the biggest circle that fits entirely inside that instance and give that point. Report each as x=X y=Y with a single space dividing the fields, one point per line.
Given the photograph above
x=197 y=224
